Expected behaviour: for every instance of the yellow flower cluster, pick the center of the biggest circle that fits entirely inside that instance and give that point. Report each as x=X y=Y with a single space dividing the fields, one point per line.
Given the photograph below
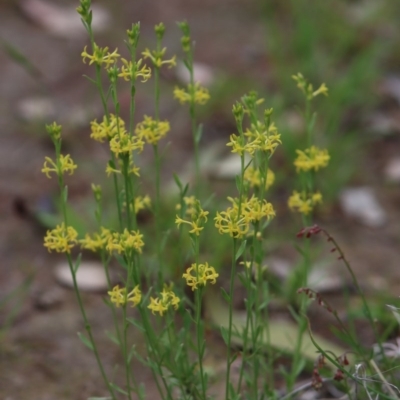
x=198 y=218
x=151 y=130
x=62 y=165
x=307 y=88
x=199 y=274
x=97 y=241
x=231 y=222
x=303 y=202
x=236 y=224
x=54 y=131
x=100 y=56
x=125 y=242
x=190 y=204
x=193 y=94
x=258 y=137
x=156 y=57
x=253 y=177
x=254 y=209
x=311 y=158
x=113 y=241
x=130 y=71
x=124 y=144
x=141 y=203
x=166 y=300
x=61 y=239
x=120 y=297
x=106 y=129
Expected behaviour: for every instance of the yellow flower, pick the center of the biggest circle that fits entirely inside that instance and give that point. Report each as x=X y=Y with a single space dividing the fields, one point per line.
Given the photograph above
x=321 y=90
x=142 y=202
x=250 y=101
x=240 y=145
x=199 y=274
x=193 y=94
x=62 y=165
x=307 y=88
x=253 y=177
x=61 y=239
x=198 y=219
x=100 y=56
x=125 y=241
x=190 y=204
x=254 y=210
x=311 y=158
x=231 y=222
x=119 y=297
x=303 y=202
x=133 y=169
x=166 y=300
x=151 y=130
x=107 y=129
x=156 y=57
x=54 y=131
x=131 y=71
x=264 y=138
x=97 y=242
x=125 y=144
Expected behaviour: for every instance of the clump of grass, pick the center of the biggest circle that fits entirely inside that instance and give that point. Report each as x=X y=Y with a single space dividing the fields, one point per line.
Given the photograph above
x=176 y=352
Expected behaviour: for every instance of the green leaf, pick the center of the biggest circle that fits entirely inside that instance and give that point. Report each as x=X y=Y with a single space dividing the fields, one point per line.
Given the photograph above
x=132 y=352
x=241 y=250
x=118 y=389
x=77 y=263
x=178 y=182
x=47 y=220
x=199 y=133
x=395 y=311
x=136 y=324
x=112 y=337
x=225 y=295
x=64 y=194
x=85 y=341
x=20 y=59
x=237 y=180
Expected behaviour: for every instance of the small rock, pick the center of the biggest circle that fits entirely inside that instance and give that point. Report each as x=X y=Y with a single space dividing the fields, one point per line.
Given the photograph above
x=36 y=109
x=392 y=170
x=383 y=124
x=390 y=86
x=362 y=204
x=50 y=298
x=227 y=168
x=322 y=278
x=90 y=276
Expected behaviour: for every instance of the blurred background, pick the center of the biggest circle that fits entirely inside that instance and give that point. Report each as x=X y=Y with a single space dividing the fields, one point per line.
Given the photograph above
x=352 y=46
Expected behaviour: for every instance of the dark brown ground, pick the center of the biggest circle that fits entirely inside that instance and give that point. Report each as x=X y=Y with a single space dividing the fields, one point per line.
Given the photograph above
x=41 y=357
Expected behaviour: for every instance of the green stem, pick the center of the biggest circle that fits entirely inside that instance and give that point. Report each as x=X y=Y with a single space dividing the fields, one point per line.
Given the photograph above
x=229 y=337
x=158 y=217
x=200 y=339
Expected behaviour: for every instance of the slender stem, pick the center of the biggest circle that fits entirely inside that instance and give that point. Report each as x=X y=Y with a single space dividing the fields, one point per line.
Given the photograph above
x=200 y=340
x=229 y=337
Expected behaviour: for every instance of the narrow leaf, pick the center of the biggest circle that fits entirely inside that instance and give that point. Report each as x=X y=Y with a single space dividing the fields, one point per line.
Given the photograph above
x=135 y=323
x=112 y=337
x=240 y=250
x=85 y=341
